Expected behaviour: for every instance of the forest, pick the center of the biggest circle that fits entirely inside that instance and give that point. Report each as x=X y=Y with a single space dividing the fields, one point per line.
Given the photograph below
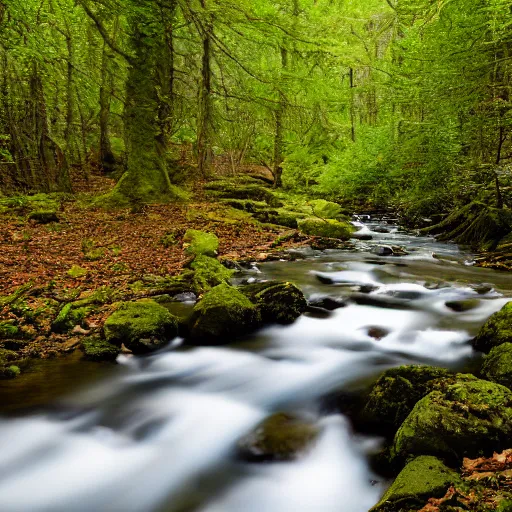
x=255 y=255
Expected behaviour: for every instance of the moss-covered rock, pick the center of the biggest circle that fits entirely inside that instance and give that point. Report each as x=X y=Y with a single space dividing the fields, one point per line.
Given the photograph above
x=467 y=419
x=68 y=317
x=497 y=366
x=423 y=478
x=208 y=273
x=326 y=209
x=43 y=216
x=142 y=326
x=96 y=349
x=497 y=330
x=199 y=243
x=246 y=205
x=281 y=437
x=221 y=315
x=326 y=228
x=8 y=368
x=395 y=394
x=278 y=302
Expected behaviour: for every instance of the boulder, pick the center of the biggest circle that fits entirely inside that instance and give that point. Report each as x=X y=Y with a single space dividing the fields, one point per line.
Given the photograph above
x=143 y=326
x=461 y=306
x=278 y=302
x=223 y=314
x=329 y=303
x=326 y=228
x=43 y=216
x=395 y=394
x=470 y=418
x=199 y=243
x=497 y=366
x=326 y=209
x=281 y=437
x=496 y=331
x=208 y=273
x=423 y=478
x=96 y=349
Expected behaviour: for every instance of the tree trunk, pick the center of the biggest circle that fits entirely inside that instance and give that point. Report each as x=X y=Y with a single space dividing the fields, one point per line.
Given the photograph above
x=107 y=159
x=204 y=129
x=279 y=129
x=146 y=179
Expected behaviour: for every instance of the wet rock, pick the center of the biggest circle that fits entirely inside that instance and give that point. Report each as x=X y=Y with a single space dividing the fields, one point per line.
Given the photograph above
x=377 y=332
x=319 y=313
x=326 y=228
x=496 y=331
x=389 y=250
x=396 y=392
x=9 y=368
x=380 y=301
x=185 y=297
x=329 y=303
x=277 y=302
x=143 y=326
x=367 y=288
x=423 y=478
x=281 y=437
x=483 y=288
x=323 y=244
x=362 y=237
x=223 y=314
x=470 y=418
x=461 y=306
x=324 y=279
x=381 y=230
x=497 y=365
x=96 y=349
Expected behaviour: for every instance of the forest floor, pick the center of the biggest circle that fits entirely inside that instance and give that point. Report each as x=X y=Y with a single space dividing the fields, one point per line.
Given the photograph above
x=91 y=249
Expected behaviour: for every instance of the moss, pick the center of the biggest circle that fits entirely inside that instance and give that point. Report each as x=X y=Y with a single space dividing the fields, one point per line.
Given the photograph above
x=326 y=228
x=423 y=478
x=19 y=292
x=103 y=295
x=8 y=330
x=467 y=419
x=280 y=217
x=223 y=314
x=208 y=273
x=43 y=216
x=68 y=317
x=97 y=349
x=95 y=254
x=497 y=366
x=8 y=370
x=279 y=438
x=77 y=272
x=278 y=302
x=168 y=240
x=250 y=191
x=142 y=326
x=246 y=205
x=497 y=330
x=199 y=243
x=326 y=209
x=396 y=392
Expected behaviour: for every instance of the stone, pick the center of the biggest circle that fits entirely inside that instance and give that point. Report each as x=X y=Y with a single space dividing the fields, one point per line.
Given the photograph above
x=96 y=349
x=461 y=306
x=396 y=392
x=329 y=303
x=326 y=228
x=496 y=331
x=469 y=418
x=278 y=302
x=497 y=365
x=143 y=326
x=223 y=314
x=43 y=216
x=199 y=243
x=280 y=437
x=423 y=478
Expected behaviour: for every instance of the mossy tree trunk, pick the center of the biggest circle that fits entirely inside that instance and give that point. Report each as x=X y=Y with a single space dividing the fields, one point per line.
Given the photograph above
x=146 y=178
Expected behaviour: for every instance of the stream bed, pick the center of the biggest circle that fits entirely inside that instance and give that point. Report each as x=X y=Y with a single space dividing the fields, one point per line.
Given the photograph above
x=160 y=433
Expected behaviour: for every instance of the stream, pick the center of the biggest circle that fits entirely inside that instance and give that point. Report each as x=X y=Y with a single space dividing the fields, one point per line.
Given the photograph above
x=160 y=433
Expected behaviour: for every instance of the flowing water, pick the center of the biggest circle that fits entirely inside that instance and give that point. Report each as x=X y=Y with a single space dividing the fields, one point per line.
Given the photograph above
x=160 y=433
